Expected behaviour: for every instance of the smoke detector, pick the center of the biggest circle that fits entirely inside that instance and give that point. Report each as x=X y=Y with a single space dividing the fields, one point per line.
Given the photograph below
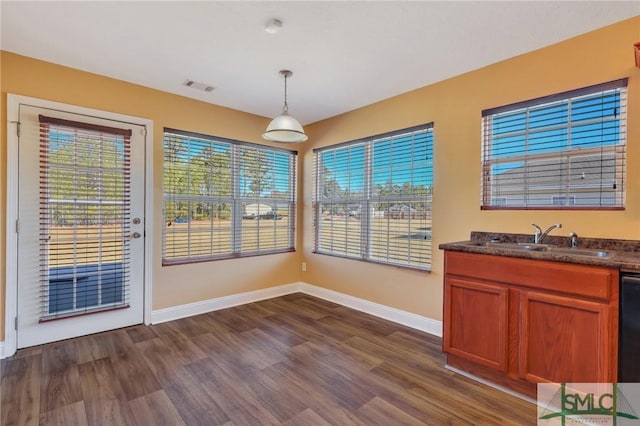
x=273 y=26
x=199 y=86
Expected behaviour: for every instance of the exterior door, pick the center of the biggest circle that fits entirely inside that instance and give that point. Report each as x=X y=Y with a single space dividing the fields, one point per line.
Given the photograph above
x=80 y=225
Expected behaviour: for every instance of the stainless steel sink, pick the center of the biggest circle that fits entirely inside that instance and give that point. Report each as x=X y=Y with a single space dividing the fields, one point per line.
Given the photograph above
x=509 y=246
x=578 y=252
x=540 y=248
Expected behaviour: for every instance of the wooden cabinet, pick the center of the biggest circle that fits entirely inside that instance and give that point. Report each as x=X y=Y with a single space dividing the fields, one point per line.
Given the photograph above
x=476 y=321
x=563 y=339
x=519 y=322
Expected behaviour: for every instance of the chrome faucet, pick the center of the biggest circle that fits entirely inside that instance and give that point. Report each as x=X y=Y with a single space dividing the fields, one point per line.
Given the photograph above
x=539 y=236
x=574 y=240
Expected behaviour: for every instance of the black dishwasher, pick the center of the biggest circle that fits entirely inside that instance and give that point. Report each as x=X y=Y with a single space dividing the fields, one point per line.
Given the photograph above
x=629 y=333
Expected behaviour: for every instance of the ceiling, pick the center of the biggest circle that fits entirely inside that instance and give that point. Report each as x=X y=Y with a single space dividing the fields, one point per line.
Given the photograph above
x=344 y=55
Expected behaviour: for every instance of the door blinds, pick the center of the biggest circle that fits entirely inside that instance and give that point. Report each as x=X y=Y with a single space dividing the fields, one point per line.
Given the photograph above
x=84 y=218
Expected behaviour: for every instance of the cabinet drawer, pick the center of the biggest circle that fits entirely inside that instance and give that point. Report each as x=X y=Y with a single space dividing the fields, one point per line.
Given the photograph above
x=581 y=280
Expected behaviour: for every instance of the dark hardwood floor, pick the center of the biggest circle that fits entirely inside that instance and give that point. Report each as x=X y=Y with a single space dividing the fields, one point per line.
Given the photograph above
x=292 y=360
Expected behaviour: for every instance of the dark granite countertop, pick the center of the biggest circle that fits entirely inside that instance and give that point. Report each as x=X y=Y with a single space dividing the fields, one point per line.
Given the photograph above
x=621 y=254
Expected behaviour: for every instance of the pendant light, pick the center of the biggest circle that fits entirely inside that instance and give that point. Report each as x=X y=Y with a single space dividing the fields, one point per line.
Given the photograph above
x=285 y=128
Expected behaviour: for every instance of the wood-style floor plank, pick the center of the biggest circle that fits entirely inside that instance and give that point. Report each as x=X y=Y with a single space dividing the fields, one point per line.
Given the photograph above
x=306 y=418
x=182 y=346
x=20 y=391
x=316 y=398
x=133 y=374
x=89 y=349
x=379 y=411
x=155 y=409
x=232 y=395
x=192 y=401
x=72 y=415
x=104 y=400
x=141 y=333
x=292 y=360
x=60 y=381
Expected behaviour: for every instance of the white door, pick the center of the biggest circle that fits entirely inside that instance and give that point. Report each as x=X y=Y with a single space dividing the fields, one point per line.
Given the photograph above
x=80 y=225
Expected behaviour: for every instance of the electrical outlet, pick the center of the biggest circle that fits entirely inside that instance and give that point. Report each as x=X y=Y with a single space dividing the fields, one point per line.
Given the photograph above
x=304 y=266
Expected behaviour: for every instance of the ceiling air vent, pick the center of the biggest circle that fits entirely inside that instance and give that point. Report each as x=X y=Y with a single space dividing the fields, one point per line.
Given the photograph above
x=196 y=85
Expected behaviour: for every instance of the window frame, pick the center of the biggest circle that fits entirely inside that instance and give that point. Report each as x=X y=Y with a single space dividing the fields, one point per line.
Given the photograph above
x=367 y=200
x=235 y=198
x=570 y=155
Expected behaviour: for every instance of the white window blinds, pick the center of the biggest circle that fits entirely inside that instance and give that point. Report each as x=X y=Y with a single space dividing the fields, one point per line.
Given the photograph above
x=225 y=199
x=84 y=218
x=372 y=198
x=566 y=151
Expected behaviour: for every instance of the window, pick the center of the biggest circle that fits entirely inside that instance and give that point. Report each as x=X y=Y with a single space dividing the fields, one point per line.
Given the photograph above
x=372 y=198
x=564 y=201
x=565 y=151
x=225 y=199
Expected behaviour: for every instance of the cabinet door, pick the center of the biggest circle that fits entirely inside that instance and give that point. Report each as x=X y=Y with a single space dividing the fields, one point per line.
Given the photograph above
x=563 y=339
x=475 y=319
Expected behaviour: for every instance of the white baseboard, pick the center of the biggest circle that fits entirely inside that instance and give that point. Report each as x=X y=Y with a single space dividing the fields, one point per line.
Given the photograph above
x=409 y=319
x=6 y=349
x=491 y=384
x=197 y=308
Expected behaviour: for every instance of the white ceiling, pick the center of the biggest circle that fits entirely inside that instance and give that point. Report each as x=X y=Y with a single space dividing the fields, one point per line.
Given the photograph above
x=344 y=55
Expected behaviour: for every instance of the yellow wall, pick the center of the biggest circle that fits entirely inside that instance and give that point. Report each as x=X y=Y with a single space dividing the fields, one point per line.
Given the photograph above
x=453 y=105
x=174 y=285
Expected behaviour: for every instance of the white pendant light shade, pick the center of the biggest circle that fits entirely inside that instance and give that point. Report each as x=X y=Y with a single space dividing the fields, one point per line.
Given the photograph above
x=284 y=128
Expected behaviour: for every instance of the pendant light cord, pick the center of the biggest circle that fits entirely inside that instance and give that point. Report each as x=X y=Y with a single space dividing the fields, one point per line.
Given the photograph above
x=284 y=128
x=285 y=107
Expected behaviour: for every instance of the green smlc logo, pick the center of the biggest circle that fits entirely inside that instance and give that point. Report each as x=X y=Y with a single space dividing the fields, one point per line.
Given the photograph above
x=582 y=405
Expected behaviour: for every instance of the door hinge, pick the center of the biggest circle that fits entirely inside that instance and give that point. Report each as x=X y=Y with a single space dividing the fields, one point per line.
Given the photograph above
x=17 y=127
x=15 y=323
x=17 y=226
x=144 y=131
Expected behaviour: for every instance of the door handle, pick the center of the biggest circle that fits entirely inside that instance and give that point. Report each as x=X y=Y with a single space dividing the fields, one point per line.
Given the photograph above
x=135 y=235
